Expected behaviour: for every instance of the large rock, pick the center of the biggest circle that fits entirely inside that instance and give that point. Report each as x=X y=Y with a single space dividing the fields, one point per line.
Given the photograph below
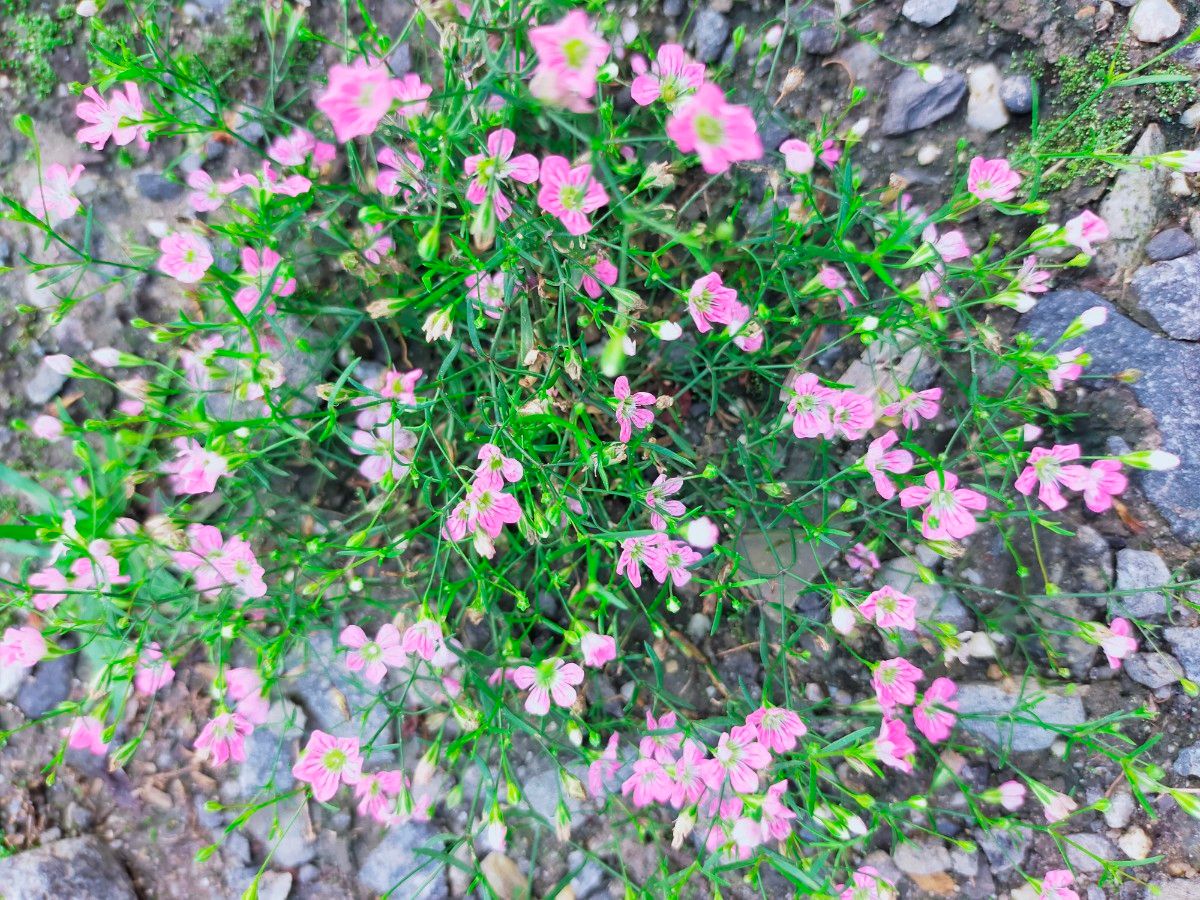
x=1015 y=721
x=1133 y=206
x=399 y=868
x=788 y=564
x=1170 y=292
x=335 y=699
x=915 y=103
x=78 y=868
x=710 y=34
x=1169 y=388
x=1142 y=574
x=1185 y=644
x=1153 y=670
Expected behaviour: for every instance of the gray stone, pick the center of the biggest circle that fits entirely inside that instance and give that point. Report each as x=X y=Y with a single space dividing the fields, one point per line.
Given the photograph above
x=1154 y=21
x=985 y=110
x=934 y=602
x=543 y=791
x=1185 y=644
x=1153 y=670
x=710 y=33
x=79 y=868
x=1009 y=720
x=49 y=686
x=154 y=186
x=914 y=103
x=398 y=866
x=1119 y=811
x=1170 y=292
x=1017 y=93
x=817 y=27
x=1005 y=849
x=335 y=699
x=1090 y=850
x=286 y=829
x=1187 y=763
x=11 y=678
x=44 y=384
x=673 y=9
x=788 y=563
x=1169 y=388
x=1141 y=573
x=1170 y=244
x=922 y=858
x=269 y=759
x=928 y=12
x=1133 y=206
x=1173 y=889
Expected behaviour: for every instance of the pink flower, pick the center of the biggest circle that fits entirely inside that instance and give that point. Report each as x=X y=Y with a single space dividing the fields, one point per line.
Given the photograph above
x=912 y=406
x=571 y=52
x=327 y=762
x=702 y=533
x=719 y=132
x=890 y=609
x=22 y=647
x=488 y=171
x=397 y=387
x=862 y=558
x=216 y=563
x=224 y=737
x=372 y=658
x=1055 y=806
x=809 y=406
x=259 y=267
x=86 y=733
x=830 y=153
x=797 y=156
x=688 y=785
x=294 y=149
x=867 y=884
x=424 y=638
x=604 y=768
x=206 y=195
x=1048 y=469
x=245 y=687
x=47 y=428
x=376 y=792
x=388 y=451
x=412 y=94
x=495 y=468
x=895 y=682
x=357 y=98
x=880 y=459
x=671 y=78
x=893 y=746
x=1084 y=229
x=674 y=561
x=633 y=411
x=992 y=179
x=832 y=279
x=950 y=246
x=776 y=818
x=648 y=549
x=739 y=755
x=1012 y=795
x=1056 y=885
x=52 y=586
x=710 y=302
x=1066 y=370
x=185 y=256
x=934 y=715
x=51 y=198
x=118 y=118
x=748 y=334
x=597 y=649
x=550 y=679
x=1032 y=280
x=778 y=729
x=489 y=292
x=660 y=506
x=400 y=171
x=947 y=506
x=195 y=470
x=1117 y=642
x=601 y=272
x=570 y=194
x=648 y=784
x=1103 y=481
x=153 y=671
x=663 y=745
x=851 y=415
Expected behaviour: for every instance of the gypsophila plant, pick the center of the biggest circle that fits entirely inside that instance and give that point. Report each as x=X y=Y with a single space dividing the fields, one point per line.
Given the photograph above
x=489 y=375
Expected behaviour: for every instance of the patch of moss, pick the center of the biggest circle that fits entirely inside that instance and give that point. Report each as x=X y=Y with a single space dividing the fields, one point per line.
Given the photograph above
x=28 y=41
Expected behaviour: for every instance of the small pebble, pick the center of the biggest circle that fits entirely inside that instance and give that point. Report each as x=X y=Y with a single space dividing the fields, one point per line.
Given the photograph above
x=1154 y=21
x=1135 y=843
x=928 y=154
